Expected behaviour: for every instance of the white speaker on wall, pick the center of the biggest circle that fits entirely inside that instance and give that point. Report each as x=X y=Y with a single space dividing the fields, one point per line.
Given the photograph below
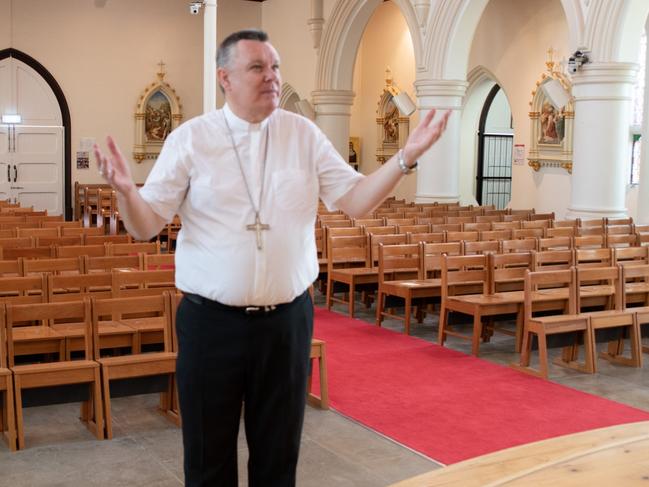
x=556 y=93
x=405 y=105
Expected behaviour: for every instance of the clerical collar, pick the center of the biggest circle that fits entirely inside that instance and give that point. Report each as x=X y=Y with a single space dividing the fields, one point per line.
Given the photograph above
x=239 y=124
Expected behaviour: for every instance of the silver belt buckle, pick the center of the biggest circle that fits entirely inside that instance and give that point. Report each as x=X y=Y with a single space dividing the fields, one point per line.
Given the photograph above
x=252 y=309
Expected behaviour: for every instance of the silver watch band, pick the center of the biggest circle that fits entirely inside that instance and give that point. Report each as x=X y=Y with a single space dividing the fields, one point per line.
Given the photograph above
x=402 y=164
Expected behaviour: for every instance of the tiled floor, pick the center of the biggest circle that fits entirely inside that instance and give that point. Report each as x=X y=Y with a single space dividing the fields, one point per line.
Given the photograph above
x=335 y=451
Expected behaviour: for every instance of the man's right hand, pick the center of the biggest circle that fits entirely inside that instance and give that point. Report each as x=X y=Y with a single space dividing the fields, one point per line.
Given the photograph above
x=114 y=168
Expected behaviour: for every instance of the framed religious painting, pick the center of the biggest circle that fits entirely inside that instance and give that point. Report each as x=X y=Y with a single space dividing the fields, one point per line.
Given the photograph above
x=552 y=118
x=392 y=128
x=158 y=113
x=354 y=152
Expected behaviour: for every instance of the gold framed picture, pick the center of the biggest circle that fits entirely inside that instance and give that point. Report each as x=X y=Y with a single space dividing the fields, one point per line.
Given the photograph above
x=354 y=157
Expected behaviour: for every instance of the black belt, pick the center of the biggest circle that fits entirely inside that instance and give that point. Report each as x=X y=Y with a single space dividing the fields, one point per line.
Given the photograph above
x=248 y=310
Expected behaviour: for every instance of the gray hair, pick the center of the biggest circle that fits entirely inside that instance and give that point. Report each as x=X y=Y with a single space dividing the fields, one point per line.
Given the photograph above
x=225 y=53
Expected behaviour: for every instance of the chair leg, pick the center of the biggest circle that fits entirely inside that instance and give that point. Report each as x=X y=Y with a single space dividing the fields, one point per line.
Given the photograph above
x=10 y=418
x=443 y=318
x=520 y=321
x=350 y=305
x=108 y=418
x=329 y=292
x=543 y=355
x=98 y=406
x=477 y=333
x=324 y=387
x=20 y=427
x=379 y=307
x=408 y=310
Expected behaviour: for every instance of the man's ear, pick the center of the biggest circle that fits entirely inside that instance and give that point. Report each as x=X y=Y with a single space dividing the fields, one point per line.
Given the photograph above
x=224 y=78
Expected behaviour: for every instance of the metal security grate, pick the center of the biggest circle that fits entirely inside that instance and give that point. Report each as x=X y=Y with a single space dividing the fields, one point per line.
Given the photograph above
x=494 y=180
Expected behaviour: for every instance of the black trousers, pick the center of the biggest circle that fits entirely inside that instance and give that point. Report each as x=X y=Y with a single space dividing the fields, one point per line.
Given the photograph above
x=225 y=357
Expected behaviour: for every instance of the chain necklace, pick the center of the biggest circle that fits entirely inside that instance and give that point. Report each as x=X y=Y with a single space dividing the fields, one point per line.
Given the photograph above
x=258 y=226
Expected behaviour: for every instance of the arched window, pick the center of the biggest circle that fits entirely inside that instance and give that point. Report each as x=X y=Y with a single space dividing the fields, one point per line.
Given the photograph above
x=637 y=108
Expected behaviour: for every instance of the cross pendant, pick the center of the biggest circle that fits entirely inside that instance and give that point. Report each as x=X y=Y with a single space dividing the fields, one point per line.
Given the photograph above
x=258 y=226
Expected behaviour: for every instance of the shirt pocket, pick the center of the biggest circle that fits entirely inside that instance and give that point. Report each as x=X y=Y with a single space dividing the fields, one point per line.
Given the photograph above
x=295 y=190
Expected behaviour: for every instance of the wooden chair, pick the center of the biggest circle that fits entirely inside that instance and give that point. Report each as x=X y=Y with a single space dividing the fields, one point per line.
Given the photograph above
x=11 y=268
x=505 y=234
x=565 y=223
x=554 y=290
x=593 y=257
x=85 y=231
x=63 y=372
x=560 y=232
x=65 y=288
x=77 y=250
x=395 y=259
x=38 y=232
x=7 y=413
x=616 y=322
x=461 y=275
x=138 y=364
x=344 y=254
x=429 y=237
x=23 y=289
x=631 y=256
x=481 y=247
x=29 y=253
x=58 y=241
x=476 y=227
x=527 y=233
x=621 y=240
x=104 y=239
x=108 y=263
x=537 y=223
x=552 y=260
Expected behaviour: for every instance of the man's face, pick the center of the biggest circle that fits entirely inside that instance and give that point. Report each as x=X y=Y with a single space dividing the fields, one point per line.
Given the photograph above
x=252 y=80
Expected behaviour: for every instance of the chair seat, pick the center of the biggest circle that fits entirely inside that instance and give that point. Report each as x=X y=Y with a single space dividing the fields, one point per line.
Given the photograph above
x=54 y=367
x=486 y=299
x=557 y=319
x=137 y=358
x=34 y=333
x=153 y=323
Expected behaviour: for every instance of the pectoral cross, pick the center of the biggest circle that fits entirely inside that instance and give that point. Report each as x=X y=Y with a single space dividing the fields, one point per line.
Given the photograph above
x=258 y=226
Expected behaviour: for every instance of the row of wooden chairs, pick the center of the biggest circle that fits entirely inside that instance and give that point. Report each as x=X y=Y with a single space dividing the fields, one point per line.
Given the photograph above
x=98 y=250
x=93 y=368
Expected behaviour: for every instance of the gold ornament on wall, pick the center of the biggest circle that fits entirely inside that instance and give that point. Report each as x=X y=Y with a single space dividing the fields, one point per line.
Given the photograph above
x=552 y=118
x=392 y=127
x=158 y=112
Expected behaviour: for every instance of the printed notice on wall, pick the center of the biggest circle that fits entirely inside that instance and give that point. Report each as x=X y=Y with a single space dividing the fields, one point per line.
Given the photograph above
x=83 y=160
x=519 y=154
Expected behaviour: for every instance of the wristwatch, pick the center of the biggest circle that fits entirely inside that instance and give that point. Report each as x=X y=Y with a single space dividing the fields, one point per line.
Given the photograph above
x=402 y=164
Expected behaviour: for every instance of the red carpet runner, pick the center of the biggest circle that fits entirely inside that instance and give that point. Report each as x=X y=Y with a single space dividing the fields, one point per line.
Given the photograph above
x=445 y=404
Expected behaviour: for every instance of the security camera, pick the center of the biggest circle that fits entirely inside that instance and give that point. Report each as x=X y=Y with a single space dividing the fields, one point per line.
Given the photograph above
x=579 y=58
x=195 y=8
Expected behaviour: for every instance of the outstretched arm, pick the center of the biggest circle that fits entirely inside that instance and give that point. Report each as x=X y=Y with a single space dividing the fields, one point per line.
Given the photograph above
x=140 y=220
x=373 y=189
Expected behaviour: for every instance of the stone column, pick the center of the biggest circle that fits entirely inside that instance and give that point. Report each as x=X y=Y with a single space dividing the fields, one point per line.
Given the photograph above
x=643 y=186
x=602 y=93
x=332 y=113
x=439 y=168
x=209 y=56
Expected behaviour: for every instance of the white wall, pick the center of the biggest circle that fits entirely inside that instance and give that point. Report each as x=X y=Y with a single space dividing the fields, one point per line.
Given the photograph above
x=511 y=41
x=386 y=42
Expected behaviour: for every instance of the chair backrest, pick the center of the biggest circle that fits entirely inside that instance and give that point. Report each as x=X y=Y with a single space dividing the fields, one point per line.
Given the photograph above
x=464 y=273
x=133 y=248
x=11 y=268
x=108 y=263
x=608 y=284
x=368 y=222
x=488 y=219
x=518 y=245
x=77 y=250
x=86 y=231
x=417 y=228
x=508 y=271
x=505 y=234
x=620 y=229
x=565 y=223
x=60 y=224
x=72 y=311
x=155 y=262
x=555 y=243
x=57 y=241
x=17 y=242
x=38 y=232
x=560 y=232
x=123 y=308
x=594 y=222
x=527 y=233
x=589 y=242
x=27 y=289
x=476 y=227
x=75 y=287
x=103 y=239
x=506 y=225
x=631 y=256
x=446 y=227
x=376 y=240
x=621 y=241
x=638 y=275
x=403 y=257
x=54 y=266
x=460 y=219
x=552 y=260
x=29 y=253
x=430 y=237
x=400 y=221
x=593 y=257
x=535 y=224
x=542 y=285
x=344 y=251
x=588 y=231
x=480 y=247
x=147 y=282
x=430 y=220
x=542 y=216
x=383 y=230
x=432 y=256
x=462 y=236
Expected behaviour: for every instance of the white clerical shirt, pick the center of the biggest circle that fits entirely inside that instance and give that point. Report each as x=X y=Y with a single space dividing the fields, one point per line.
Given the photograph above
x=198 y=177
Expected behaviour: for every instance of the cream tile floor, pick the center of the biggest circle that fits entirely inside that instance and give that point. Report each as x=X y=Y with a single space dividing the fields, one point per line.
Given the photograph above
x=146 y=450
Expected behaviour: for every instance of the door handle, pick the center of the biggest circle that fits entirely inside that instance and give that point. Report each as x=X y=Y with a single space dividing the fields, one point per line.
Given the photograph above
x=15 y=173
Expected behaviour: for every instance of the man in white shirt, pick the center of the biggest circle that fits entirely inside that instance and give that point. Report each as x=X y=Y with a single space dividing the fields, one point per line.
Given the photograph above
x=246 y=181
